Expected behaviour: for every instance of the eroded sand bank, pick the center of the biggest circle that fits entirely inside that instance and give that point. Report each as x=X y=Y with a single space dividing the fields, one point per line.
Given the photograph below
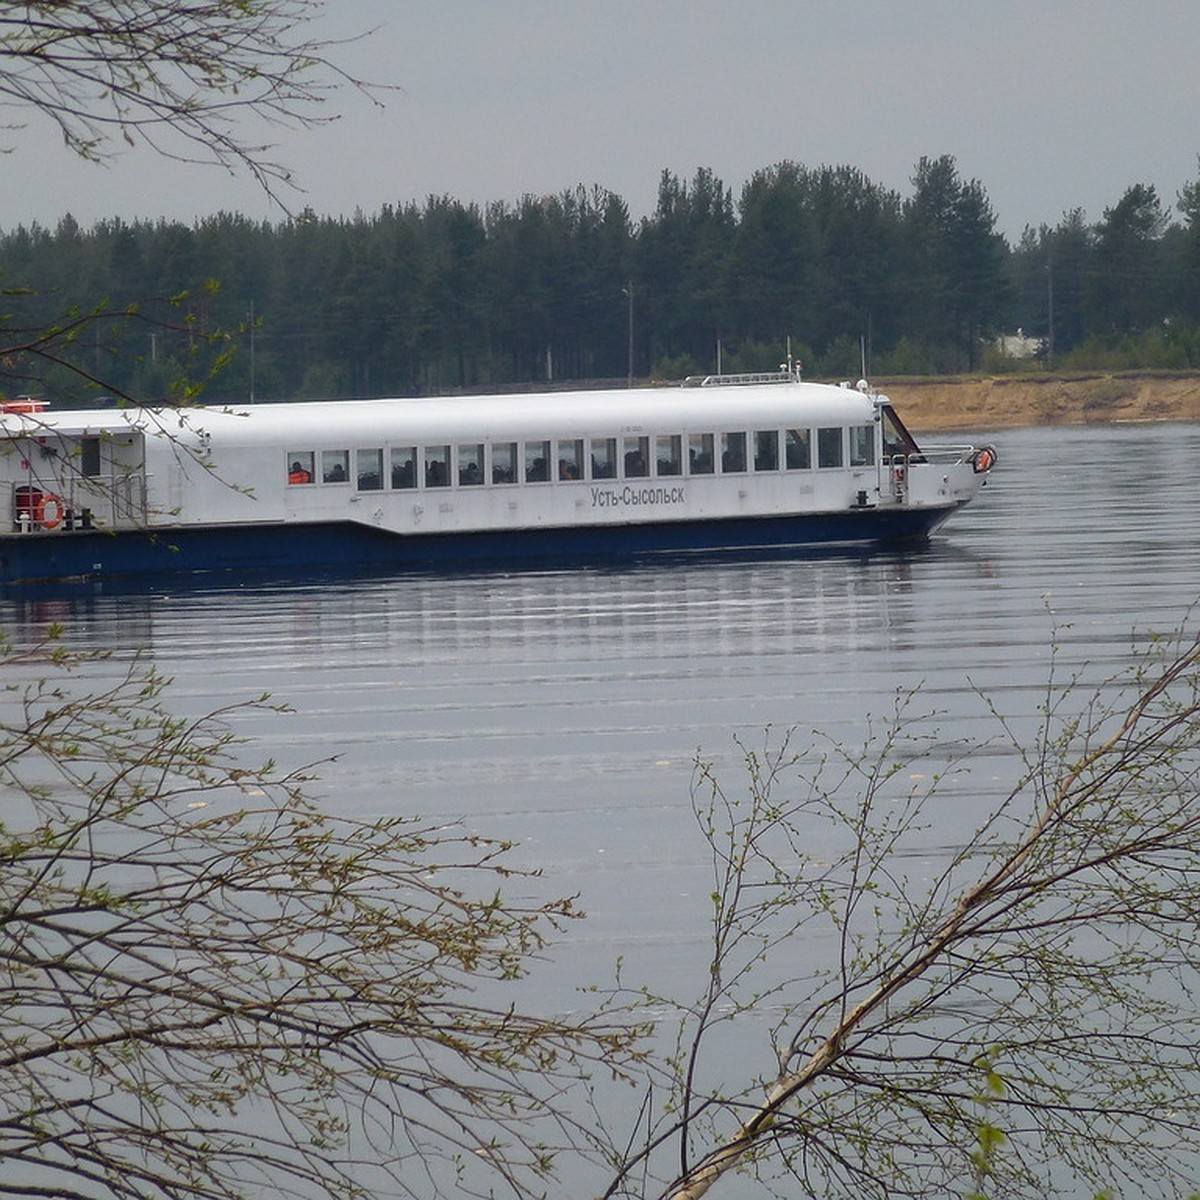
x=1007 y=402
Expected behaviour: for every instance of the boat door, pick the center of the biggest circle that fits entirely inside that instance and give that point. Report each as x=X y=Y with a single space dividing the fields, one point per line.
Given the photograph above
x=112 y=478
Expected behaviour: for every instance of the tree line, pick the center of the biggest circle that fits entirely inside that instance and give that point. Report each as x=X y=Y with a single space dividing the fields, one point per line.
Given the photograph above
x=421 y=298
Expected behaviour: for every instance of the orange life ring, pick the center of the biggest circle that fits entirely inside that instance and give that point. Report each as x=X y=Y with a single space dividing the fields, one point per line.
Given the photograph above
x=51 y=519
x=983 y=460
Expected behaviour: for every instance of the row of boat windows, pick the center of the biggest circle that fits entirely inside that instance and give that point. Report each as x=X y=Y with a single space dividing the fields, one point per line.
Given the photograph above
x=629 y=457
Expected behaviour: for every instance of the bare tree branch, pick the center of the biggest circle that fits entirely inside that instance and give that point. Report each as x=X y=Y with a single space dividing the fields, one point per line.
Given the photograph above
x=209 y=987
x=1024 y=1014
x=175 y=75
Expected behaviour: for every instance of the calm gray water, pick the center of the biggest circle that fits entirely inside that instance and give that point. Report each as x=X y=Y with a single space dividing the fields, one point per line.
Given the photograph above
x=564 y=709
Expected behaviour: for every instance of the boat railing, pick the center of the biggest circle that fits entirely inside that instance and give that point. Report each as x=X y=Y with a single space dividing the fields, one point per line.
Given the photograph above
x=942 y=454
x=115 y=501
x=743 y=379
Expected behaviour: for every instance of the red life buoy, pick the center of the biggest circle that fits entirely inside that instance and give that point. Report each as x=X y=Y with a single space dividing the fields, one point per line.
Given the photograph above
x=983 y=460
x=49 y=512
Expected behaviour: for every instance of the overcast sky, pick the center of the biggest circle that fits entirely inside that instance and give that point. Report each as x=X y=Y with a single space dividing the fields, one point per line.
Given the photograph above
x=1051 y=104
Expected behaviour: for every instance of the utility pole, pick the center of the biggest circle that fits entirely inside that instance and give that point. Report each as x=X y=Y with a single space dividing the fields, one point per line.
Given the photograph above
x=628 y=290
x=251 y=351
x=1050 y=312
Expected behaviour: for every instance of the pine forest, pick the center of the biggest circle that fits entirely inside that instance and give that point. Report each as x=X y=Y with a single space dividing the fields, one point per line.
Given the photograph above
x=433 y=297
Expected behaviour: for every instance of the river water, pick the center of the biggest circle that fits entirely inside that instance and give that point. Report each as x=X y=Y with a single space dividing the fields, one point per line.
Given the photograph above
x=564 y=710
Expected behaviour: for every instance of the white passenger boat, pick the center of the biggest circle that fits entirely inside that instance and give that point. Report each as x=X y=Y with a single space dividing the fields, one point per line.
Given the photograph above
x=729 y=463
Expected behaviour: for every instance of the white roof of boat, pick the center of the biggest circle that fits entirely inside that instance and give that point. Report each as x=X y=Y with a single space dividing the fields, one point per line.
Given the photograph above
x=457 y=418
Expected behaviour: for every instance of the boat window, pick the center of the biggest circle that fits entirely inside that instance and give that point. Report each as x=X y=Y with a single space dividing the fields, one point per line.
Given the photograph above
x=637 y=457
x=570 y=459
x=335 y=466
x=797 y=449
x=470 y=465
x=89 y=457
x=862 y=445
x=537 y=462
x=733 y=452
x=829 y=447
x=700 y=453
x=897 y=441
x=300 y=466
x=668 y=454
x=368 y=470
x=437 y=466
x=504 y=462
x=404 y=466
x=766 y=450
x=604 y=458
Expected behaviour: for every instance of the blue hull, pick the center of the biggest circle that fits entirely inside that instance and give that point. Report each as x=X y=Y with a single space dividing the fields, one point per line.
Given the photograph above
x=88 y=554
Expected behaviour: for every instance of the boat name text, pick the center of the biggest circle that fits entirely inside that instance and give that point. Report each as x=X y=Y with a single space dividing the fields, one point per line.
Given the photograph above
x=634 y=497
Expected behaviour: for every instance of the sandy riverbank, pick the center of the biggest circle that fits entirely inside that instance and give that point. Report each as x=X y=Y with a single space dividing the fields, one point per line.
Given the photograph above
x=1006 y=402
